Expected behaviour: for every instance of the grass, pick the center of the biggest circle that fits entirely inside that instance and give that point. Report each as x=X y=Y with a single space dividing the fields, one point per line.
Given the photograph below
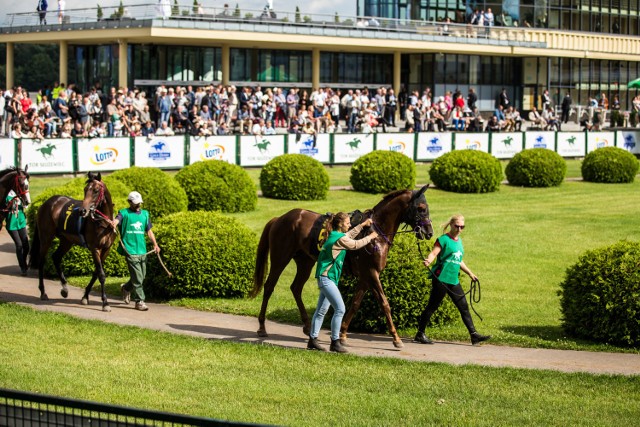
x=57 y=354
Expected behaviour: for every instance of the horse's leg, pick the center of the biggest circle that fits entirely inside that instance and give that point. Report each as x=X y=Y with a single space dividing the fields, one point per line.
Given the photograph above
x=102 y=277
x=274 y=273
x=87 y=290
x=355 y=306
x=378 y=293
x=45 y=243
x=63 y=248
x=304 y=266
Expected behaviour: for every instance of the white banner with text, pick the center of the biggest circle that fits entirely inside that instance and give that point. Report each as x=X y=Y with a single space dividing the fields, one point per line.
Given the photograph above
x=103 y=154
x=47 y=155
x=205 y=148
x=258 y=150
x=166 y=152
x=347 y=148
x=432 y=145
x=7 y=153
x=315 y=146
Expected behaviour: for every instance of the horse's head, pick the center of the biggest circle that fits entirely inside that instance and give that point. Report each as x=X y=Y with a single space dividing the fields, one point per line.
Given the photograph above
x=417 y=215
x=93 y=193
x=21 y=185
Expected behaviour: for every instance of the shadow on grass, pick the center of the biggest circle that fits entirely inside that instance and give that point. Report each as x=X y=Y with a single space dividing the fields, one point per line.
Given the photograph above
x=546 y=333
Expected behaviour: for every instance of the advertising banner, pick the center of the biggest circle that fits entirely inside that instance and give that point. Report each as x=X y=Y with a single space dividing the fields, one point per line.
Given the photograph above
x=432 y=145
x=472 y=141
x=597 y=140
x=629 y=140
x=540 y=139
x=401 y=142
x=347 y=148
x=212 y=148
x=166 y=152
x=318 y=146
x=571 y=144
x=258 y=150
x=7 y=153
x=103 y=154
x=506 y=145
x=47 y=155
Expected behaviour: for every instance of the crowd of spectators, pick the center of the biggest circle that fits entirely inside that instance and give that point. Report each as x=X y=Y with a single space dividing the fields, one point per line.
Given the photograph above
x=63 y=112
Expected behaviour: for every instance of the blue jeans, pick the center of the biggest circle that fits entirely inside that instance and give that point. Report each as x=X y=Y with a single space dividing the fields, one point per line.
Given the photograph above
x=329 y=295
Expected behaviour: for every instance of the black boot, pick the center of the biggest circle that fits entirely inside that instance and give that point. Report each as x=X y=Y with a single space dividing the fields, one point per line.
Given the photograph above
x=476 y=338
x=337 y=347
x=422 y=338
x=314 y=345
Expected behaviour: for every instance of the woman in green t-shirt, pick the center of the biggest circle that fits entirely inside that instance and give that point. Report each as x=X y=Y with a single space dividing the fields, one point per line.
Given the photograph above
x=17 y=228
x=448 y=252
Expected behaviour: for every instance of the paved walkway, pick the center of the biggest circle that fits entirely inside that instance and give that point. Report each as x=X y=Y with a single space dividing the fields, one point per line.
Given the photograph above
x=24 y=291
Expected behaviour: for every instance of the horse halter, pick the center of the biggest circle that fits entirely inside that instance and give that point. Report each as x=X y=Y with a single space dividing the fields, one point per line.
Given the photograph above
x=418 y=220
x=99 y=199
x=22 y=188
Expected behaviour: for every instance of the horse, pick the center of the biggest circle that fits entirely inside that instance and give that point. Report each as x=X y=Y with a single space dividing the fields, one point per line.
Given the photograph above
x=16 y=180
x=58 y=216
x=289 y=237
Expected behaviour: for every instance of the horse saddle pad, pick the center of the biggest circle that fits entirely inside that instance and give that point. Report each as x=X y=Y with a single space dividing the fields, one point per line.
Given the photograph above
x=318 y=232
x=70 y=221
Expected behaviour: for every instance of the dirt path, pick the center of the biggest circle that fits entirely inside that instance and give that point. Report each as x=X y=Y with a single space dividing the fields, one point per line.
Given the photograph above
x=24 y=290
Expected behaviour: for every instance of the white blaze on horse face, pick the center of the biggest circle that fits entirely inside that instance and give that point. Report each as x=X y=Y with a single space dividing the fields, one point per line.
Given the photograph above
x=26 y=189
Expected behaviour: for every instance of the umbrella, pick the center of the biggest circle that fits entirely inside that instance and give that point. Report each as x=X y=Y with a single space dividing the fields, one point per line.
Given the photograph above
x=634 y=84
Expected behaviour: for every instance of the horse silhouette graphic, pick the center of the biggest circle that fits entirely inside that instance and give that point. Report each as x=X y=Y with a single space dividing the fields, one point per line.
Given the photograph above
x=629 y=142
x=353 y=144
x=159 y=145
x=434 y=140
x=308 y=143
x=571 y=140
x=137 y=225
x=46 y=150
x=507 y=141
x=540 y=139
x=262 y=146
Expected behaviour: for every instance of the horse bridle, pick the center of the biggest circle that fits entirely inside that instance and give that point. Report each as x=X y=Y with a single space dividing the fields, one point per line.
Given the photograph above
x=21 y=193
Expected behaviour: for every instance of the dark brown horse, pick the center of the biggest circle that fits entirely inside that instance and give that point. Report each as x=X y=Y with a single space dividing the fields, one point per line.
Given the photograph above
x=289 y=237
x=59 y=216
x=16 y=180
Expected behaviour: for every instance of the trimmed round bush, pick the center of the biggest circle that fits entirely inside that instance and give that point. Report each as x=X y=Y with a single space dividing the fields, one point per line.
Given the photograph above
x=536 y=167
x=467 y=171
x=216 y=185
x=383 y=172
x=161 y=194
x=599 y=295
x=209 y=254
x=610 y=165
x=294 y=177
x=406 y=286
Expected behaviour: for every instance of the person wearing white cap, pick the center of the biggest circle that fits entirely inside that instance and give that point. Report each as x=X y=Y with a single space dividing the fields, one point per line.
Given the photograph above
x=133 y=223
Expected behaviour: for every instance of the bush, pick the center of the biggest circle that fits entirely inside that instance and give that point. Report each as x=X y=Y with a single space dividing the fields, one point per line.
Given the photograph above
x=383 y=172
x=294 y=177
x=467 y=171
x=161 y=194
x=216 y=185
x=536 y=167
x=209 y=254
x=599 y=295
x=611 y=165
x=406 y=286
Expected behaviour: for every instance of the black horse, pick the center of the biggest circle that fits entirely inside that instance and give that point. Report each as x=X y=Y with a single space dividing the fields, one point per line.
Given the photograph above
x=289 y=237
x=84 y=222
x=16 y=180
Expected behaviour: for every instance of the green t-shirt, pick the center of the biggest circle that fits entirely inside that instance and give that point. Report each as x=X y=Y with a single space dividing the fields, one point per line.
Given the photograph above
x=133 y=228
x=16 y=220
x=325 y=259
x=447 y=268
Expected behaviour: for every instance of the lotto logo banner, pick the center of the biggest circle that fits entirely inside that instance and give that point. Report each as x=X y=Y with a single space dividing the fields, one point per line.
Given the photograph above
x=258 y=150
x=533 y=139
x=318 y=146
x=472 y=141
x=597 y=140
x=103 y=154
x=205 y=148
x=571 y=144
x=7 y=153
x=432 y=145
x=166 y=152
x=629 y=140
x=399 y=142
x=347 y=148
x=506 y=145
x=47 y=155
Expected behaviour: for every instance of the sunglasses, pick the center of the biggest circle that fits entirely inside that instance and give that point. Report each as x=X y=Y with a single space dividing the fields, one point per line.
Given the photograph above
x=460 y=227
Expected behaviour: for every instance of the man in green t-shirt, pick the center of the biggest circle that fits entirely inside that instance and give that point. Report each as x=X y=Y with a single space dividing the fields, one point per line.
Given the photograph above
x=17 y=228
x=133 y=223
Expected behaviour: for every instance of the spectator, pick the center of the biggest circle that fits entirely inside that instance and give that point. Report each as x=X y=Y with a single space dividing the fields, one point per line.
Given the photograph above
x=164 y=130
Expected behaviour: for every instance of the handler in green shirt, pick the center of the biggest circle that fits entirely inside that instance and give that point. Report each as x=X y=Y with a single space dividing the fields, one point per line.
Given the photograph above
x=133 y=223
x=17 y=228
x=448 y=252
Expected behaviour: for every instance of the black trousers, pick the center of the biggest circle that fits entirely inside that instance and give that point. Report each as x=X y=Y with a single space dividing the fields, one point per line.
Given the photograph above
x=21 y=239
x=438 y=292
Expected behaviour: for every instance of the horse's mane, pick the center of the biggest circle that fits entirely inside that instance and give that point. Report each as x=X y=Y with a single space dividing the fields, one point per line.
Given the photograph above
x=392 y=195
x=8 y=171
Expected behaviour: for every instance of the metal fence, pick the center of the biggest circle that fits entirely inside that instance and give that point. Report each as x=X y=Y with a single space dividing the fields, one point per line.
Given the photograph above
x=23 y=409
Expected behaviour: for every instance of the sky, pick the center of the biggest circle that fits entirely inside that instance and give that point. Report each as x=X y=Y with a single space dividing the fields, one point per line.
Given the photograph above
x=329 y=7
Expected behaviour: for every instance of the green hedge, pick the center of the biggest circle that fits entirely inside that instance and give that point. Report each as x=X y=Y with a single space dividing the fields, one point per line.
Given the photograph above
x=467 y=171
x=600 y=295
x=210 y=255
x=161 y=194
x=406 y=286
x=216 y=185
x=382 y=172
x=536 y=167
x=610 y=165
x=294 y=177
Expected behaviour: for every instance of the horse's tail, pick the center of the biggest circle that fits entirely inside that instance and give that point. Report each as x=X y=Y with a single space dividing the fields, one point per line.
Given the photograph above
x=262 y=256
x=34 y=252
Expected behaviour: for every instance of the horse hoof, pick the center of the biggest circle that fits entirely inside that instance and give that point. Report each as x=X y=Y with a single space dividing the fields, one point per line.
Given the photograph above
x=262 y=333
x=106 y=308
x=85 y=301
x=64 y=293
x=306 y=330
x=398 y=344
x=344 y=340
x=44 y=297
